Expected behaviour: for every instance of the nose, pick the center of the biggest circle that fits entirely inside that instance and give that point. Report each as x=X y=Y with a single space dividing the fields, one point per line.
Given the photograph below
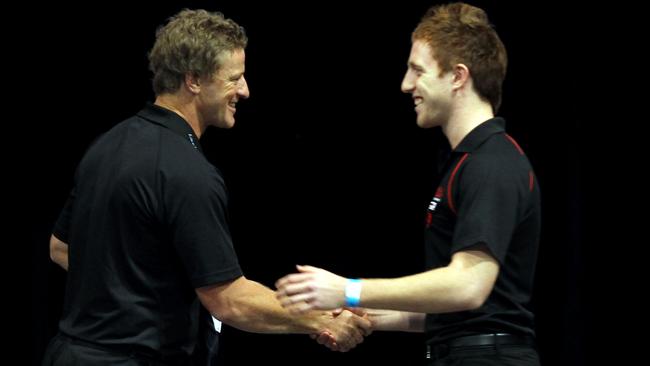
x=407 y=83
x=242 y=89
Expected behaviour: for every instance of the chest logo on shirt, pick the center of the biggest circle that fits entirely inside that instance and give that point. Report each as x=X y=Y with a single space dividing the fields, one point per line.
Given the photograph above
x=191 y=137
x=433 y=204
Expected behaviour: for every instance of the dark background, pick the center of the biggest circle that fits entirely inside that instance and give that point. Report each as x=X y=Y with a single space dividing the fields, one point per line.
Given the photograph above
x=326 y=165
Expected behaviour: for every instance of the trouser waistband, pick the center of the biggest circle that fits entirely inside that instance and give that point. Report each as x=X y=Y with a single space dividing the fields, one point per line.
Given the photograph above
x=128 y=351
x=437 y=350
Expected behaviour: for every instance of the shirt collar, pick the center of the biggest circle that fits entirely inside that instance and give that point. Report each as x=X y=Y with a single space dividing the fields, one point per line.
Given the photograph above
x=168 y=119
x=480 y=134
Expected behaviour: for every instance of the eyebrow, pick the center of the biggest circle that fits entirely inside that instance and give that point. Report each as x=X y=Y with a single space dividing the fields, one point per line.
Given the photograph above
x=415 y=66
x=237 y=75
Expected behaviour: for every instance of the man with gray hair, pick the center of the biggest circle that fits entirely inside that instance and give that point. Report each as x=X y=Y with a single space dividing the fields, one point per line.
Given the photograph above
x=144 y=234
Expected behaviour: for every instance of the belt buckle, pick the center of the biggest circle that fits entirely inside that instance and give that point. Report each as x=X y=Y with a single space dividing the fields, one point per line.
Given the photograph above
x=437 y=351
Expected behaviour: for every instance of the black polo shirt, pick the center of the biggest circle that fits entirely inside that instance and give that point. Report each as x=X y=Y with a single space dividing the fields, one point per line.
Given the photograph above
x=146 y=224
x=488 y=195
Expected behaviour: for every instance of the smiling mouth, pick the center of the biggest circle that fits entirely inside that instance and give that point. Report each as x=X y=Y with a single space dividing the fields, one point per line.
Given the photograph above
x=417 y=102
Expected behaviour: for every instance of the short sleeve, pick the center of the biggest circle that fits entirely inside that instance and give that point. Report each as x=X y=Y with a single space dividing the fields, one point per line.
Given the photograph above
x=488 y=201
x=196 y=213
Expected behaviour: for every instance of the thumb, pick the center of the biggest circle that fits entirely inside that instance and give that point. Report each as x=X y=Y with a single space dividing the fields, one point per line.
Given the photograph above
x=305 y=268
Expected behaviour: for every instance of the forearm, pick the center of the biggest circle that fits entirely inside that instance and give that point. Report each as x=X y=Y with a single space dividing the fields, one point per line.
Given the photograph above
x=393 y=320
x=437 y=291
x=59 y=252
x=252 y=307
x=257 y=310
x=464 y=284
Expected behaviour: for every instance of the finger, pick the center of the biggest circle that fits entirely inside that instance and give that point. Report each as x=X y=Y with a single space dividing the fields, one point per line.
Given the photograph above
x=281 y=281
x=358 y=338
x=354 y=337
x=326 y=338
x=287 y=291
x=346 y=342
x=330 y=338
x=363 y=325
x=295 y=299
x=357 y=311
x=333 y=346
x=298 y=288
x=292 y=278
x=322 y=337
x=308 y=269
x=280 y=294
x=366 y=329
x=299 y=308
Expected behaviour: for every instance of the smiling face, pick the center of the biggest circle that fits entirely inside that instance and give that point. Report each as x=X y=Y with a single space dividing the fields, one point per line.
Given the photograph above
x=218 y=98
x=431 y=92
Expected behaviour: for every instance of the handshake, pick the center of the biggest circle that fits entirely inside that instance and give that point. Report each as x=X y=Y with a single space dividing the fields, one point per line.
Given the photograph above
x=346 y=328
x=316 y=289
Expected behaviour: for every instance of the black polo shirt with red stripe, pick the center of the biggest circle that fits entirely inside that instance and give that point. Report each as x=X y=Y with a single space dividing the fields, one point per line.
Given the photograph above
x=146 y=224
x=488 y=196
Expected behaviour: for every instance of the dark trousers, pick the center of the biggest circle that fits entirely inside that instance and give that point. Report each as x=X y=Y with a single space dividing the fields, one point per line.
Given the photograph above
x=63 y=351
x=493 y=355
x=207 y=347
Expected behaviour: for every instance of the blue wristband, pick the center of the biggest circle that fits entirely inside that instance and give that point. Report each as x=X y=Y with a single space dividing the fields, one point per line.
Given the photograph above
x=353 y=292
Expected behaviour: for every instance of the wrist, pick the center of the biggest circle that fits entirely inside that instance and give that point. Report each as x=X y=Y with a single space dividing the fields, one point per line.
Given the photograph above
x=353 y=292
x=315 y=322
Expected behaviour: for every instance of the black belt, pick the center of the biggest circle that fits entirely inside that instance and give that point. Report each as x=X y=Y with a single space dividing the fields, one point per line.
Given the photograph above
x=437 y=350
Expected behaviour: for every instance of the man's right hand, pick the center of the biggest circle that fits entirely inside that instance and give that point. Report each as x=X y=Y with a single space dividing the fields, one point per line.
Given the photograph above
x=345 y=331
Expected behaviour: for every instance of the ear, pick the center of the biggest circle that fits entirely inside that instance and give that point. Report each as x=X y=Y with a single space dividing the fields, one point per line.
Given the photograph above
x=461 y=76
x=193 y=83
